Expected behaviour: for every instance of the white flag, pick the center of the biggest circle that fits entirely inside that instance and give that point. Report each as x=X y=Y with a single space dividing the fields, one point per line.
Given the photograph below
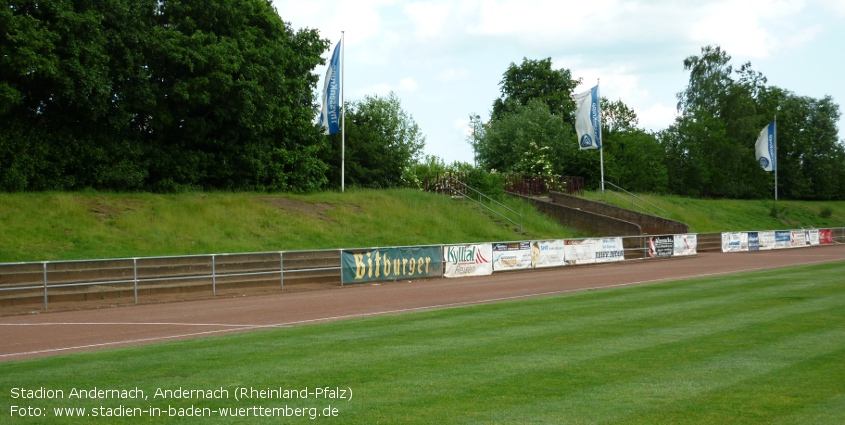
x=765 y=148
x=587 y=119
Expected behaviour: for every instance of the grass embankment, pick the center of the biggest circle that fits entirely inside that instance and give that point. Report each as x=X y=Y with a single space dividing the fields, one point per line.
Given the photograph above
x=727 y=215
x=763 y=347
x=64 y=226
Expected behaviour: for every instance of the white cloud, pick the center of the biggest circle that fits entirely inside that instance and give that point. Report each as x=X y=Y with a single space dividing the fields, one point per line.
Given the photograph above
x=656 y=117
x=408 y=85
x=429 y=18
x=452 y=75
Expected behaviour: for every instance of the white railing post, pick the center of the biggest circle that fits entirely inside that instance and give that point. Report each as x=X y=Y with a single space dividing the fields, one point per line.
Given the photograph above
x=213 y=276
x=281 y=271
x=45 y=285
x=135 y=277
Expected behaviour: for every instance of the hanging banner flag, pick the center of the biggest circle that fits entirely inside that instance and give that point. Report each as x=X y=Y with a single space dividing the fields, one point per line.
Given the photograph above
x=587 y=119
x=391 y=264
x=467 y=260
x=547 y=254
x=686 y=245
x=765 y=148
x=511 y=256
x=330 y=114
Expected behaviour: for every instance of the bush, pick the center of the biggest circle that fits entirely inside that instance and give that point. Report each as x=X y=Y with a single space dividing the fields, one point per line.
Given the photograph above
x=826 y=212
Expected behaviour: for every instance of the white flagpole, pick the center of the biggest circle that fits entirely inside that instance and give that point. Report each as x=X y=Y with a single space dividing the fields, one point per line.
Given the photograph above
x=342 y=113
x=601 y=150
x=776 y=158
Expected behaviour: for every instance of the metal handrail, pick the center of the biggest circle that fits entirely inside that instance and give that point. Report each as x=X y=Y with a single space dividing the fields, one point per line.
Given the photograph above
x=480 y=203
x=634 y=204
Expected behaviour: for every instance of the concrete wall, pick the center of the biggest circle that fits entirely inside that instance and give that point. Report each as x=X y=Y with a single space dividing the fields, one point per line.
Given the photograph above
x=585 y=221
x=650 y=225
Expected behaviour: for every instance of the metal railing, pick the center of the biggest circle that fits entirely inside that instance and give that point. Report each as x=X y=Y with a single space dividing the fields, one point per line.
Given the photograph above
x=462 y=189
x=634 y=205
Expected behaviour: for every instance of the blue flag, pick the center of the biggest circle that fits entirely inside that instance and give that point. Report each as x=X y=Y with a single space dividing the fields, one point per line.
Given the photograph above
x=765 y=148
x=330 y=114
x=587 y=123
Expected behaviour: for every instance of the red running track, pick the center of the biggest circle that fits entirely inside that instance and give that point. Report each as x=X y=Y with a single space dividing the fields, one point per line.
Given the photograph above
x=54 y=333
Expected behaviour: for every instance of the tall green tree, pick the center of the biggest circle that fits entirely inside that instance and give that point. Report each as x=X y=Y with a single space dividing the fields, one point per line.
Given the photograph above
x=634 y=159
x=382 y=143
x=536 y=79
x=131 y=94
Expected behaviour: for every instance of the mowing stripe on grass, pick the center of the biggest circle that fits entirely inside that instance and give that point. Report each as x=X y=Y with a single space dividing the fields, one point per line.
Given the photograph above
x=754 y=348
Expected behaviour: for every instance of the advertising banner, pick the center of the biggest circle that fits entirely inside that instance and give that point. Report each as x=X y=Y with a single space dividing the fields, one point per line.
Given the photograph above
x=511 y=256
x=609 y=250
x=661 y=246
x=579 y=251
x=812 y=237
x=391 y=264
x=767 y=240
x=467 y=260
x=733 y=242
x=825 y=237
x=753 y=241
x=547 y=254
x=783 y=239
x=685 y=245
x=798 y=239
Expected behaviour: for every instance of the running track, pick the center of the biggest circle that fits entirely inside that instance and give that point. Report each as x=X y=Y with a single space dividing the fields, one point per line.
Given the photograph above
x=55 y=333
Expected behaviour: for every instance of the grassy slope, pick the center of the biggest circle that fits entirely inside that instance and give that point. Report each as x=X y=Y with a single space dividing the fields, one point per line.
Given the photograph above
x=721 y=215
x=756 y=348
x=56 y=226
x=61 y=226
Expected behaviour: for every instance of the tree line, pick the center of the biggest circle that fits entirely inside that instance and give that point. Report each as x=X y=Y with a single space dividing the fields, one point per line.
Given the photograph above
x=172 y=95
x=707 y=152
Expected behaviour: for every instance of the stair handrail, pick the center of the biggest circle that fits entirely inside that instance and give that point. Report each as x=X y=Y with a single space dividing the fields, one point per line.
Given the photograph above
x=634 y=204
x=469 y=188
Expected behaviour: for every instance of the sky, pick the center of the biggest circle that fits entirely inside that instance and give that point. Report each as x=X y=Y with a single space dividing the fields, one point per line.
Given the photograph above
x=444 y=59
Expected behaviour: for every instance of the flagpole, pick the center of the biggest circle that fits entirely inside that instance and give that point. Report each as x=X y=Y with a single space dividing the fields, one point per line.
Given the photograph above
x=601 y=150
x=776 y=158
x=342 y=113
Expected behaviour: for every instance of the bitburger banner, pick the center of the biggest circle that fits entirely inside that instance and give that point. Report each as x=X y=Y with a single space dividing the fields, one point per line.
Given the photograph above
x=391 y=264
x=511 y=256
x=686 y=245
x=609 y=250
x=467 y=260
x=547 y=254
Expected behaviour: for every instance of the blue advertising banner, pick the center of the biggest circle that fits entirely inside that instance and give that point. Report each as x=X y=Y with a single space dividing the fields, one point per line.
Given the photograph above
x=753 y=241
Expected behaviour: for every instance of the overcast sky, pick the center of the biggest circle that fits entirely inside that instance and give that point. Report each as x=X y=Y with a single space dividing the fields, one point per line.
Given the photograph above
x=444 y=59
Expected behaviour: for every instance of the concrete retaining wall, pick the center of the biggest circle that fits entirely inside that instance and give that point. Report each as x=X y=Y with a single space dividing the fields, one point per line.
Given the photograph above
x=584 y=221
x=650 y=224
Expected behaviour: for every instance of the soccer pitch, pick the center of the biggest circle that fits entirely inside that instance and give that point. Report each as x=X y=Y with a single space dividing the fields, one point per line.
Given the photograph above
x=763 y=347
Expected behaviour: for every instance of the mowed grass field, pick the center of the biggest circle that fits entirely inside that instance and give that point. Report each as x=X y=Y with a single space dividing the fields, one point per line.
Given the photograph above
x=756 y=348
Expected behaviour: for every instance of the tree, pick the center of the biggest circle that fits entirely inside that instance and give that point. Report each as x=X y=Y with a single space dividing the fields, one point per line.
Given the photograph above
x=634 y=159
x=535 y=79
x=131 y=94
x=382 y=143
x=710 y=148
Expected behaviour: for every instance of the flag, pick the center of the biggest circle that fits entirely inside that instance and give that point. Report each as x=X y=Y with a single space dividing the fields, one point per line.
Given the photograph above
x=330 y=114
x=765 y=148
x=587 y=120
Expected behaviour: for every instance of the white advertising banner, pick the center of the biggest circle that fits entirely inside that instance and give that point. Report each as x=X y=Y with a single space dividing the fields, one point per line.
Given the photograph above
x=798 y=239
x=767 y=240
x=812 y=237
x=511 y=256
x=686 y=245
x=579 y=251
x=783 y=239
x=547 y=254
x=467 y=260
x=733 y=242
x=609 y=250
